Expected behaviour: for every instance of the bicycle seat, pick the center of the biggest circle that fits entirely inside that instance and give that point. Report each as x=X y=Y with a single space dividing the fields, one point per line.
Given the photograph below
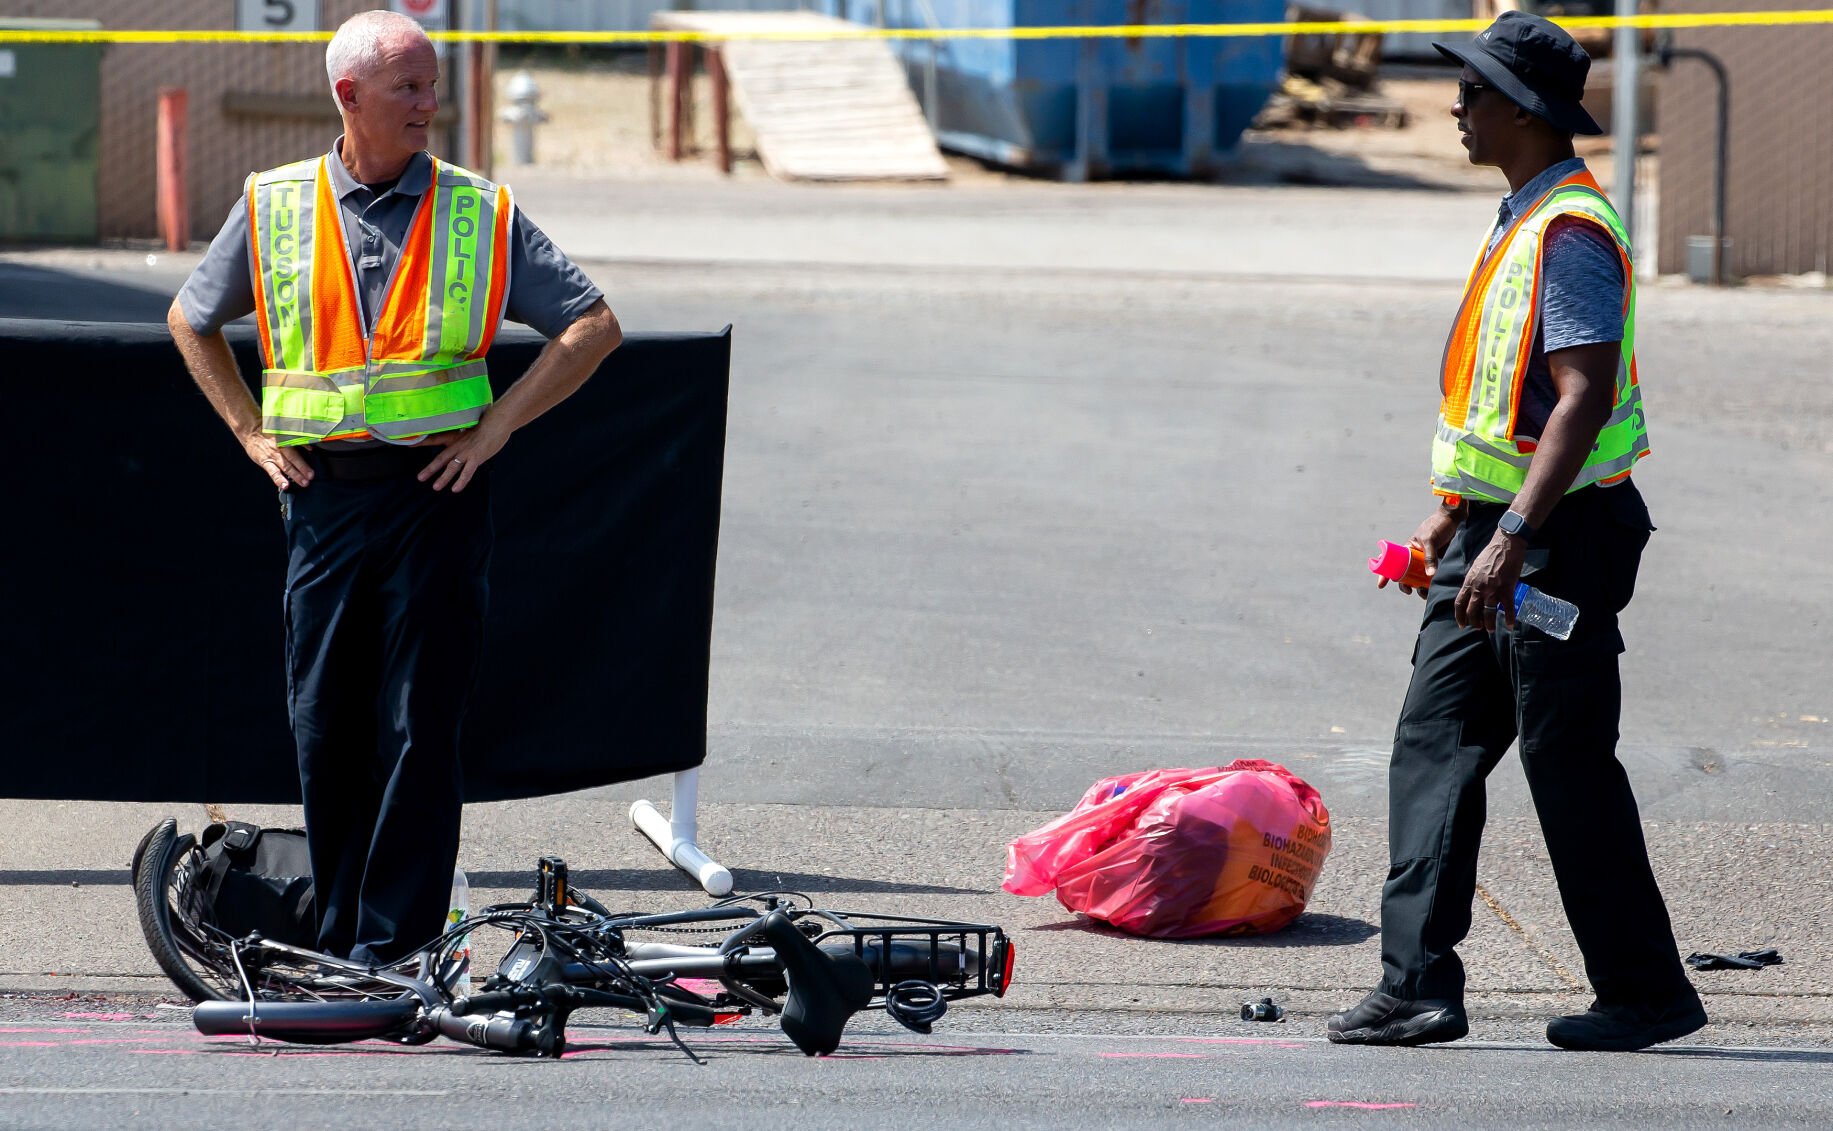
x=825 y=988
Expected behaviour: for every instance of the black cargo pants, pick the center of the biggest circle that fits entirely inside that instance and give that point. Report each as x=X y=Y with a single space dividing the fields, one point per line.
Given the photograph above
x=385 y=596
x=1472 y=694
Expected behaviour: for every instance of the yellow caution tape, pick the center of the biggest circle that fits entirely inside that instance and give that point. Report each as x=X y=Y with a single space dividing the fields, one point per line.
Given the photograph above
x=1120 y=31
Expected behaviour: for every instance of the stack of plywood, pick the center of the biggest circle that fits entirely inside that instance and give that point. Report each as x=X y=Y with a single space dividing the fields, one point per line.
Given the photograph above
x=820 y=109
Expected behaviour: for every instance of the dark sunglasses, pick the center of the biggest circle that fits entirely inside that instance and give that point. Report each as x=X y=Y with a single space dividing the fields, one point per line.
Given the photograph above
x=1467 y=91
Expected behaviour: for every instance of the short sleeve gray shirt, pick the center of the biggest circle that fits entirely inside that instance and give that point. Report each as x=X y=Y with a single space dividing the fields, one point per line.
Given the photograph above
x=1582 y=291
x=547 y=291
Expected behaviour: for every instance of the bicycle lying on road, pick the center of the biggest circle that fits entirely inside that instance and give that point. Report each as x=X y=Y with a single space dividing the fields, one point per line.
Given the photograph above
x=779 y=955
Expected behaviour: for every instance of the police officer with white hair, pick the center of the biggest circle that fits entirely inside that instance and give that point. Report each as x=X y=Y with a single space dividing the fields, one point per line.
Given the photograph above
x=378 y=276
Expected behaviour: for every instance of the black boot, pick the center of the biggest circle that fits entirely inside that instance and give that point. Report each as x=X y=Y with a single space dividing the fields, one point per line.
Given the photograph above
x=1381 y=1019
x=1622 y=1028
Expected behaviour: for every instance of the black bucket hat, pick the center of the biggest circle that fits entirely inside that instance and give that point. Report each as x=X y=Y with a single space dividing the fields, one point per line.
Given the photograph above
x=1536 y=65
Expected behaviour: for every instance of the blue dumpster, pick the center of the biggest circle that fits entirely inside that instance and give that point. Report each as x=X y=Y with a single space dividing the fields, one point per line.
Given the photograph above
x=1091 y=107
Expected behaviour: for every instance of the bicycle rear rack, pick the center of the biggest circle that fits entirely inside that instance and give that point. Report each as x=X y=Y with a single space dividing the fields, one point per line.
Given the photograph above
x=992 y=968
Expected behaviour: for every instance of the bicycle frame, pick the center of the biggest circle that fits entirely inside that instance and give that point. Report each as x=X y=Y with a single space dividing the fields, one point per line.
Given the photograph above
x=568 y=953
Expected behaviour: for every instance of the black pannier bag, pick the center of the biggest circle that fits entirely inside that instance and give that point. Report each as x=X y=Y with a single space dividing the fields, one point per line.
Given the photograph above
x=256 y=879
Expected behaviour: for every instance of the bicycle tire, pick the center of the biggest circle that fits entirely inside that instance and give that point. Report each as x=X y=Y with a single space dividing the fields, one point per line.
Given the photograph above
x=180 y=956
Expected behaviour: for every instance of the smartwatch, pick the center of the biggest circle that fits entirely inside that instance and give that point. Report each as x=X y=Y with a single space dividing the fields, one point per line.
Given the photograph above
x=1514 y=525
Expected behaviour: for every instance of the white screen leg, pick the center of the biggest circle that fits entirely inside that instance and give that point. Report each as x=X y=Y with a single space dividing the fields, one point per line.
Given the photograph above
x=675 y=834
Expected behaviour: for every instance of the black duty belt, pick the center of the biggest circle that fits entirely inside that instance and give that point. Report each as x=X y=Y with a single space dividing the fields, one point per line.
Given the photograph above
x=385 y=461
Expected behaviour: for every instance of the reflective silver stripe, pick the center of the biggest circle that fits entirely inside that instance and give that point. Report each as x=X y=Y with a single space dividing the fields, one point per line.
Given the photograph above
x=286 y=268
x=1502 y=331
x=483 y=304
x=308 y=230
x=435 y=310
x=303 y=170
x=417 y=376
x=1454 y=436
x=305 y=379
x=1632 y=404
x=292 y=426
x=1616 y=466
x=1470 y=490
x=1454 y=484
x=463 y=187
x=287 y=275
x=508 y=200
x=444 y=422
x=352 y=420
x=455 y=269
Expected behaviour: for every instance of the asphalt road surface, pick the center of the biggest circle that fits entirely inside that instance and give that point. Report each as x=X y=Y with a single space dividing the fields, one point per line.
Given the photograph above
x=1005 y=517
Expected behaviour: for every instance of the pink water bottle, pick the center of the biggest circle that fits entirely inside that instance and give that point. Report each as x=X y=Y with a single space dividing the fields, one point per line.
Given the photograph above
x=1397 y=562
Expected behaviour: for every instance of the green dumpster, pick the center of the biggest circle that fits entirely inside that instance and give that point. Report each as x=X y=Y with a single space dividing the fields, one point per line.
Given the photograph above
x=50 y=124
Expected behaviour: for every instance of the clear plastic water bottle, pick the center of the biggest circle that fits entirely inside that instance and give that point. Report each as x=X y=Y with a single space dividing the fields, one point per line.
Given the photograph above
x=1547 y=613
x=459 y=981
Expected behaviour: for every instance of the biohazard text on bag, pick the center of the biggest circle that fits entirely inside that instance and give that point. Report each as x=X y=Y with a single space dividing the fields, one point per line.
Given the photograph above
x=1230 y=850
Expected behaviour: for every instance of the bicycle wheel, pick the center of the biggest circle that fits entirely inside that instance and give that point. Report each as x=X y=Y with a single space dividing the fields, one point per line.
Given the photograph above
x=174 y=920
x=195 y=953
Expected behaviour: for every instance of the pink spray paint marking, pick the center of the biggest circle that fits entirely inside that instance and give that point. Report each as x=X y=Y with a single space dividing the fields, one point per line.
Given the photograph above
x=114 y=1041
x=31 y=1044
x=1357 y=1104
x=163 y=1052
x=101 y=1017
x=289 y=1054
x=1263 y=1042
x=1153 y=1056
x=1197 y=1100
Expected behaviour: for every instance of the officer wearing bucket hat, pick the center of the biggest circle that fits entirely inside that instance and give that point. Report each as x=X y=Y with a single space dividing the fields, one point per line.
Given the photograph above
x=1540 y=424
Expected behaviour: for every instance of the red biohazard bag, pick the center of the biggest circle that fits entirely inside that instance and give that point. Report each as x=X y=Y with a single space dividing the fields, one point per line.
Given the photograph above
x=1175 y=854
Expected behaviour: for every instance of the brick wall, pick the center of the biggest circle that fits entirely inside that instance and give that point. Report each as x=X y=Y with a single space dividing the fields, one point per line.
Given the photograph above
x=224 y=148
x=1780 y=170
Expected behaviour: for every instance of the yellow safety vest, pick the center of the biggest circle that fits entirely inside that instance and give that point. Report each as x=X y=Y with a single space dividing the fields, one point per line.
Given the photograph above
x=1475 y=453
x=420 y=368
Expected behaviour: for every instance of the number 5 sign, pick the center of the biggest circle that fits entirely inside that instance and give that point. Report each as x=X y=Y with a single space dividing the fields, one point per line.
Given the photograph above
x=276 y=15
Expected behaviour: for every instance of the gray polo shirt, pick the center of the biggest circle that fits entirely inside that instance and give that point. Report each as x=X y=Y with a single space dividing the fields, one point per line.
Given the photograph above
x=1582 y=291
x=546 y=291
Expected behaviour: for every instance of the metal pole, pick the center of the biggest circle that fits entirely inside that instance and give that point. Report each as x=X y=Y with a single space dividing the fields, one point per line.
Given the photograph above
x=1625 y=115
x=676 y=54
x=171 y=189
x=478 y=79
x=1722 y=151
x=722 y=106
x=458 y=76
x=487 y=101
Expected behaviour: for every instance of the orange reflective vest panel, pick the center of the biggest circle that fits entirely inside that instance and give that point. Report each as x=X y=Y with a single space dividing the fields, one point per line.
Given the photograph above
x=420 y=368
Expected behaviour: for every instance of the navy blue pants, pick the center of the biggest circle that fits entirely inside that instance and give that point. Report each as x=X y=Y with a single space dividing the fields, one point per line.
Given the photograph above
x=385 y=597
x=1472 y=695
